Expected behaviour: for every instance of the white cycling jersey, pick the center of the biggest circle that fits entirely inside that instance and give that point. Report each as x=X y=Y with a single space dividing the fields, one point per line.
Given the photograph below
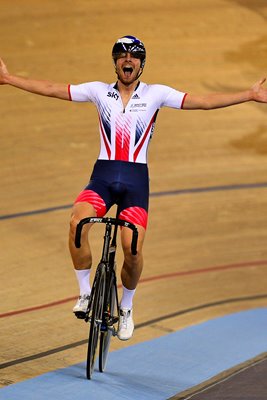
x=125 y=132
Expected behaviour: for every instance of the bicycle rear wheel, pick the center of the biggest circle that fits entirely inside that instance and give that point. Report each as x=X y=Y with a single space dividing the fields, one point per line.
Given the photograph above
x=105 y=336
x=96 y=318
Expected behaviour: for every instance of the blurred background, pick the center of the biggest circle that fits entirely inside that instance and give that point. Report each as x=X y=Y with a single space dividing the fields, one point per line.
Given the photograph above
x=213 y=163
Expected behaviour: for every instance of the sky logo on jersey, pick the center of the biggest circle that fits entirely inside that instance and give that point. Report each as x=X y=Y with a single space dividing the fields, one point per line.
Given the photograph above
x=113 y=95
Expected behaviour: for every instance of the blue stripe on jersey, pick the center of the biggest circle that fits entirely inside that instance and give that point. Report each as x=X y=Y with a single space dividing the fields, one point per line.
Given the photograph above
x=140 y=129
x=104 y=113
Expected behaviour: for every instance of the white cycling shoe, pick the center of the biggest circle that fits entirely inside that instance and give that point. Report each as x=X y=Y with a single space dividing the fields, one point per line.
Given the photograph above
x=81 y=306
x=126 y=324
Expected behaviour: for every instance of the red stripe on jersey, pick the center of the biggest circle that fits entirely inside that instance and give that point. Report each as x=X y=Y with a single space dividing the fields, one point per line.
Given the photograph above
x=104 y=138
x=89 y=196
x=118 y=149
x=69 y=93
x=135 y=215
x=182 y=105
x=122 y=141
x=137 y=151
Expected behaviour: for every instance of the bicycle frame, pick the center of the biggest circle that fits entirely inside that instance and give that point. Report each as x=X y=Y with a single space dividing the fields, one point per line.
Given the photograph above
x=104 y=323
x=109 y=245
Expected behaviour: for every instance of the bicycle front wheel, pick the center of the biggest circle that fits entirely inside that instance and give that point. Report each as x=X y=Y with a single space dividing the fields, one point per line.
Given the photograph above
x=105 y=336
x=96 y=318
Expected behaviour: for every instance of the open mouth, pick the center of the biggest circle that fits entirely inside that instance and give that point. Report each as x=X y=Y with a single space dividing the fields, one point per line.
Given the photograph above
x=127 y=71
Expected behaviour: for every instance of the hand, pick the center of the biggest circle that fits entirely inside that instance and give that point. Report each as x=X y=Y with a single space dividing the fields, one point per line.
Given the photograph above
x=259 y=93
x=3 y=72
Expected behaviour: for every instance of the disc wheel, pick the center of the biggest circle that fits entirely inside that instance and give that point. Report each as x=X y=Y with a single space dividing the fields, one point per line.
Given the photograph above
x=96 y=319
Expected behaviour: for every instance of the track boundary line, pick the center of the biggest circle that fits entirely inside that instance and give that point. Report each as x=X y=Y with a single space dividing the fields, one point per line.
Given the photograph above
x=251 y=264
x=222 y=377
x=137 y=326
x=177 y=192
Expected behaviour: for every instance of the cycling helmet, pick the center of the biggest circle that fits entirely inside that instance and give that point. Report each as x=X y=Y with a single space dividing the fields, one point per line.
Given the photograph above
x=129 y=44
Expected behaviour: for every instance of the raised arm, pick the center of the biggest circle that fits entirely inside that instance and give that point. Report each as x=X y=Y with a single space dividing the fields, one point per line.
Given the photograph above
x=218 y=100
x=44 y=88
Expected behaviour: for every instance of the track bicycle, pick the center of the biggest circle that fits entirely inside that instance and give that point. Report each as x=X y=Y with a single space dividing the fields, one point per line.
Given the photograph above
x=103 y=306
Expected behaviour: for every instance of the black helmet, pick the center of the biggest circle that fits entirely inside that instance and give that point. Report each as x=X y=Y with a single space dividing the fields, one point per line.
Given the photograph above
x=129 y=44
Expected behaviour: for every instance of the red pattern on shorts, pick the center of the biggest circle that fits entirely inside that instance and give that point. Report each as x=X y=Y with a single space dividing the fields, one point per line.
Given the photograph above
x=89 y=196
x=135 y=215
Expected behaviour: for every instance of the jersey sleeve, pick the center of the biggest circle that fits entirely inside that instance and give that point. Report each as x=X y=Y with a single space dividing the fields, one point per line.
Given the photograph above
x=170 y=97
x=84 y=91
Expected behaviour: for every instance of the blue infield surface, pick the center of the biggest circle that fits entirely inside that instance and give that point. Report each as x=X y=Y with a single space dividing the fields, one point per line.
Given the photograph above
x=157 y=369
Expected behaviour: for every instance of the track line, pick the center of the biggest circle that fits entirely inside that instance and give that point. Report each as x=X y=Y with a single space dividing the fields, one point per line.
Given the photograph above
x=220 y=378
x=137 y=326
x=257 y=263
x=176 y=192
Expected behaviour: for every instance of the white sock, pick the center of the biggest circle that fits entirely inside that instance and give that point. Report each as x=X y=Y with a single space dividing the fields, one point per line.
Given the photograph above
x=83 y=278
x=127 y=298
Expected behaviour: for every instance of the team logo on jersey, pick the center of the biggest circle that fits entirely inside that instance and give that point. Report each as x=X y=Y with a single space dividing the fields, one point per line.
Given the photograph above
x=139 y=105
x=113 y=95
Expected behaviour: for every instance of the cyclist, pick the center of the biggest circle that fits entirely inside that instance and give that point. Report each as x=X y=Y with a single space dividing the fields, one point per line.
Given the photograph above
x=127 y=112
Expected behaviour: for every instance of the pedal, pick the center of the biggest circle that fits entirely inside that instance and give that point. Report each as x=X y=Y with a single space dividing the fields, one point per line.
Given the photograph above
x=112 y=321
x=80 y=314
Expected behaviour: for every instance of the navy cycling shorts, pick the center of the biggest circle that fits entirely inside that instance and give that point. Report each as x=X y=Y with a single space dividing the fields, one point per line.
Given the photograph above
x=119 y=182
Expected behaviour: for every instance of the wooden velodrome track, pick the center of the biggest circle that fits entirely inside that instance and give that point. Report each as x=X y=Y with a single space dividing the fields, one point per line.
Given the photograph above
x=205 y=250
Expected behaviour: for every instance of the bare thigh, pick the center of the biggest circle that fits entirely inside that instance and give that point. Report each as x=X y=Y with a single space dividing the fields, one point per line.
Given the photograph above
x=82 y=258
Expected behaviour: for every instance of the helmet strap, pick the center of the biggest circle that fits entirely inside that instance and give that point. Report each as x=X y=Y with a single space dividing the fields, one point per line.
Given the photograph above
x=140 y=73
